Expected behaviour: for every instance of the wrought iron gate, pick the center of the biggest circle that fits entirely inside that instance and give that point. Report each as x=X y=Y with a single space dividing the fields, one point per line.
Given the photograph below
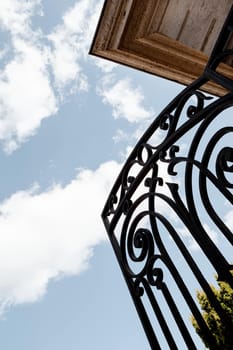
x=169 y=214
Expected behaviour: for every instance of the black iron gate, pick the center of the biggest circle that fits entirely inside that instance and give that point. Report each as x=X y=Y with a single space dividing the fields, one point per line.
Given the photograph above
x=169 y=215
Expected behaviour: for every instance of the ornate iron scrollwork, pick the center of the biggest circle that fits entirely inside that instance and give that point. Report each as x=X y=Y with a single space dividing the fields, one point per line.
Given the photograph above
x=167 y=202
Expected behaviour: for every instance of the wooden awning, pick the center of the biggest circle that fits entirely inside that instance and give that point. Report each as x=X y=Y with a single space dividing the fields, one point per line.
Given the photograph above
x=168 y=38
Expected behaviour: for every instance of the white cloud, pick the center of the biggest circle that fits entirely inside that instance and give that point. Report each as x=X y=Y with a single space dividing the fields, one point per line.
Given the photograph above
x=71 y=41
x=125 y=99
x=105 y=65
x=51 y=234
x=28 y=92
x=15 y=15
x=26 y=96
x=121 y=135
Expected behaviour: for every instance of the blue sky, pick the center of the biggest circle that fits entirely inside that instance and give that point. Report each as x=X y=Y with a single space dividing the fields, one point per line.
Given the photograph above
x=67 y=123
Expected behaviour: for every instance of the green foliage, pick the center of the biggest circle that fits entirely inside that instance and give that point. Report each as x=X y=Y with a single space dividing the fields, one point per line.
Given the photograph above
x=224 y=295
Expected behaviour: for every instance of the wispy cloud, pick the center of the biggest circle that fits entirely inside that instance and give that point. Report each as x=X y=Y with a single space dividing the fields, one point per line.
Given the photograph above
x=106 y=66
x=120 y=136
x=70 y=43
x=50 y=234
x=28 y=91
x=26 y=95
x=15 y=16
x=125 y=99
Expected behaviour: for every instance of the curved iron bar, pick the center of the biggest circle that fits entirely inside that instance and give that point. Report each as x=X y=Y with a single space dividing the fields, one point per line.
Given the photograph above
x=142 y=239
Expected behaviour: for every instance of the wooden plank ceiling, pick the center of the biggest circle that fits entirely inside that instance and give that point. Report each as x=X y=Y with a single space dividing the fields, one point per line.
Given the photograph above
x=168 y=38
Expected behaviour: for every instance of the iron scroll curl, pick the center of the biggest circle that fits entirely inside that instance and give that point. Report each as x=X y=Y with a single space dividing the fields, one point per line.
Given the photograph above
x=165 y=197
